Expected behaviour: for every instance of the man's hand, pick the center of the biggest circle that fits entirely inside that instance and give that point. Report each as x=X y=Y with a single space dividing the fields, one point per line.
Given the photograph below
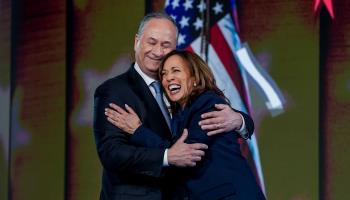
x=223 y=120
x=185 y=155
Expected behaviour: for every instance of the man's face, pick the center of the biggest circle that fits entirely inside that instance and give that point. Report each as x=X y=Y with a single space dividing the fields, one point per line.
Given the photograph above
x=158 y=39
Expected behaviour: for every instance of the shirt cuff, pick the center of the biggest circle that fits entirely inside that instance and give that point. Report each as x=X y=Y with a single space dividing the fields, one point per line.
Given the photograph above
x=165 y=158
x=243 y=130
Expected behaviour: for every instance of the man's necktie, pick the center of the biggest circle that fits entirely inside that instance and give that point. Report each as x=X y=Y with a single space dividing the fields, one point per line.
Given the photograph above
x=160 y=101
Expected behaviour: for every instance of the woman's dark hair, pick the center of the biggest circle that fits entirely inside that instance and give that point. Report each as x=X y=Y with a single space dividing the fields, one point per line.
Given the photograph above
x=204 y=78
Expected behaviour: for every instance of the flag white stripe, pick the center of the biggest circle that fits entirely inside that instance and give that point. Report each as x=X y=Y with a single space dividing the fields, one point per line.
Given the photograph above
x=274 y=102
x=223 y=80
x=253 y=142
x=227 y=29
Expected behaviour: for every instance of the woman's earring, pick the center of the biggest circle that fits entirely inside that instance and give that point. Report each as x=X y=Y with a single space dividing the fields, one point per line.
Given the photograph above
x=194 y=84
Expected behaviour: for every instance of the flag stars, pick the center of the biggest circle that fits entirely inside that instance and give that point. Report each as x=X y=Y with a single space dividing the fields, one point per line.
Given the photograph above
x=188 y=4
x=198 y=24
x=201 y=6
x=181 y=39
x=217 y=8
x=174 y=17
x=184 y=21
x=175 y=4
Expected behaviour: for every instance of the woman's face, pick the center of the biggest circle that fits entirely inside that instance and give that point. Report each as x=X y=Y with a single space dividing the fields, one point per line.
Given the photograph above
x=177 y=80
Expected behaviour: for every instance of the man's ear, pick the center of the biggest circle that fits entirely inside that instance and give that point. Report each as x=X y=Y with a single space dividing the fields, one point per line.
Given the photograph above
x=137 y=39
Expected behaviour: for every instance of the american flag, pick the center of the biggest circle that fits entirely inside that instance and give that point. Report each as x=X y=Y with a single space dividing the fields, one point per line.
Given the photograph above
x=208 y=28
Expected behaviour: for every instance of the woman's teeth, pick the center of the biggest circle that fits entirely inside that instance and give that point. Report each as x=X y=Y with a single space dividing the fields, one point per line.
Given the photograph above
x=174 y=88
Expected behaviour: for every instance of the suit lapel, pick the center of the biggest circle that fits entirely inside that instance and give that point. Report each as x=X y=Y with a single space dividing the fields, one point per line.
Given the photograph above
x=154 y=118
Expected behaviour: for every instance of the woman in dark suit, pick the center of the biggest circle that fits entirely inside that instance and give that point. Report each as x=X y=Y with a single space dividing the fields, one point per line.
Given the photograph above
x=190 y=86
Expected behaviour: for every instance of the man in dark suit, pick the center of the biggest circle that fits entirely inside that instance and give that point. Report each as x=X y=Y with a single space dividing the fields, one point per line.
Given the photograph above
x=133 y=172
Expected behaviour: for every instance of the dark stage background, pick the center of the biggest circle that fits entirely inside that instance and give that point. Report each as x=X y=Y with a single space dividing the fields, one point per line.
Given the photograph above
x=53 y=54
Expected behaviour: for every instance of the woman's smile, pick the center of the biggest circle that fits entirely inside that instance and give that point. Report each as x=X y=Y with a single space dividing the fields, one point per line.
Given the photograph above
x=177 y=79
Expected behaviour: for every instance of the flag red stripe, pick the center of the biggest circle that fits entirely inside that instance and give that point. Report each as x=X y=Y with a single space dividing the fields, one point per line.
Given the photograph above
x=225 y=54
x=189 y=48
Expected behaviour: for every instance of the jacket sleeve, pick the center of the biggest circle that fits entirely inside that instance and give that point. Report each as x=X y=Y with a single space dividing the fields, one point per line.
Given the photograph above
x=202 y=105
x=206 y=103
x=145 y=137
x=249 y=124
x=115 y=151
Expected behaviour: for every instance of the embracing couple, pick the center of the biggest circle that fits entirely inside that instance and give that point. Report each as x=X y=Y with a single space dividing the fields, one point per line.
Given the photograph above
x=163 y=129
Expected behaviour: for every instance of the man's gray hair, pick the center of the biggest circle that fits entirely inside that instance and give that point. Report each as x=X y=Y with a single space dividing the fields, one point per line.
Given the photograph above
x=156 y=15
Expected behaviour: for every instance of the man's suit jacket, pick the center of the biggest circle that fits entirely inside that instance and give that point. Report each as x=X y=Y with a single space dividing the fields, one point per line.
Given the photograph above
x=129 y=171
x=223 y=172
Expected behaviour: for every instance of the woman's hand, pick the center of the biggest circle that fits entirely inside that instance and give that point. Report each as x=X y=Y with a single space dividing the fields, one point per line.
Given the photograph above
x=127 y=120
